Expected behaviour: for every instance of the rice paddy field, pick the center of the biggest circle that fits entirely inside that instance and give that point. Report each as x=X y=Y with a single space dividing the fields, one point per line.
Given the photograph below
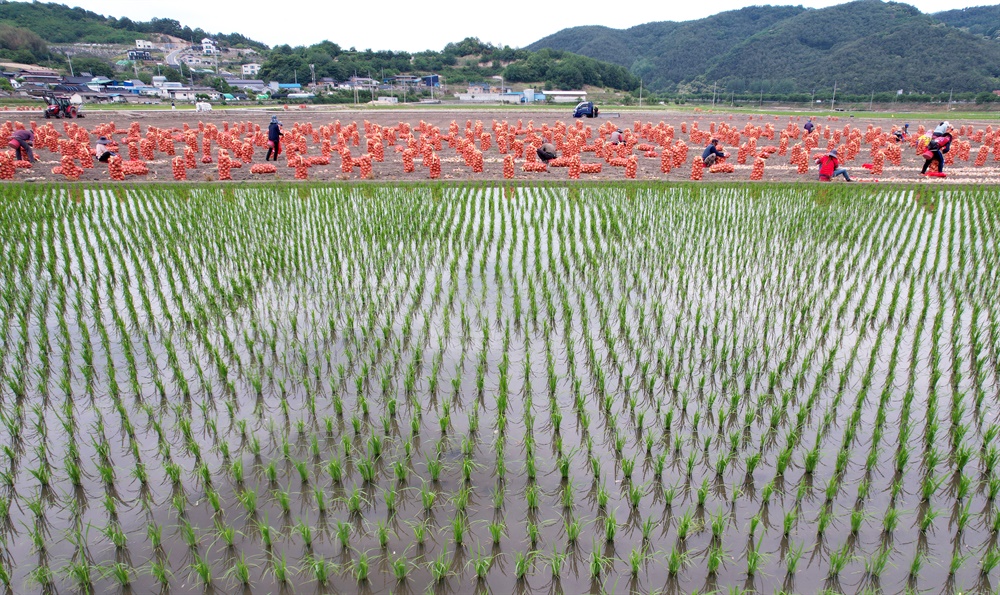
x=476 y=387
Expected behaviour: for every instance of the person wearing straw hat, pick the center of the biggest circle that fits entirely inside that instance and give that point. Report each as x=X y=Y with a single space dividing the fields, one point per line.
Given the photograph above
x=829 y=167
x=101 y=150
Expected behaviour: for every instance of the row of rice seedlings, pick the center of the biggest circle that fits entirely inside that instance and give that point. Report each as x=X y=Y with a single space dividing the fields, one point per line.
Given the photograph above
x=679 y=383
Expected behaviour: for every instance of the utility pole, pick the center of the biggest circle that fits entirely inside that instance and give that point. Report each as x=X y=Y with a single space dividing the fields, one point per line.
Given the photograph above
x=640 y=91
x=714 y=87
x=871 y=102
x=833 y=101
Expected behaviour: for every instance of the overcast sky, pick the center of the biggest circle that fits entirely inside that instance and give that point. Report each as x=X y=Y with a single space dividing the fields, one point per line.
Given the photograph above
x=413 y=25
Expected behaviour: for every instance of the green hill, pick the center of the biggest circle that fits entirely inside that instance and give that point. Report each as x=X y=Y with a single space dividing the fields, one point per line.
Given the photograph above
x=862 y=46
x=979 y=20
x=57 y=23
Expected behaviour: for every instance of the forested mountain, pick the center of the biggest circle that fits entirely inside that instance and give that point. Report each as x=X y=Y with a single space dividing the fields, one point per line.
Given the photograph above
x=862 y=46
x=57 y=23
x=979 y=20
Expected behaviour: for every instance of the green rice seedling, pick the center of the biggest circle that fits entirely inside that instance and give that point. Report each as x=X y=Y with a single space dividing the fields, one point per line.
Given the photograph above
x=647 y=527
x=434 y=468
x=427 y=497
x=676 y=561
x=389 y=497
x=160 y=572
x=890 y=521
x=635 y=494
x=280 y=570
x=481 y=564
x=534 y=533
x=957 y=561
x=702 y=494
x=320 y=568
x=239 y=571
x=532 y=496
x=927 y=520
x=573 y=530
x=420 y=532
x=684 y=525
x=439 y=567
x=838 y=561
x=916 y=565
x=458 y=525
x=521 y=564
x=400 y=568
x=602 y=497
x=203 y=569
x=857 y=518
x=355 y=501
x=610 y=527
x=636 y=560
x=766 y=492
x=989 y=561
x=497 y=531
x=343 y=535
x=875 y=565
x=362 y=568
x=305 y=531
x=792 y=558
x=80 y=572
x=597 y=563
x=754 y=559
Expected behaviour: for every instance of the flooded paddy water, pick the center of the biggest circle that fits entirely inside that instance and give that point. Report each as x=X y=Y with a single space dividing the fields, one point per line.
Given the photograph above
x=408 y=388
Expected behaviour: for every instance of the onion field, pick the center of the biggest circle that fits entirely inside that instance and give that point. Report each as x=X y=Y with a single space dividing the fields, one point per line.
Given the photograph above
x=474 y=387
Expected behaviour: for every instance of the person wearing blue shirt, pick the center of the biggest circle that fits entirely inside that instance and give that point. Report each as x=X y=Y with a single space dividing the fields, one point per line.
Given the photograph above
x=712 y=153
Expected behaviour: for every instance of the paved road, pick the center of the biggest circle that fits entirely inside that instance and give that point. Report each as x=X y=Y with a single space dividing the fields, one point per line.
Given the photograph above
x=172 y=56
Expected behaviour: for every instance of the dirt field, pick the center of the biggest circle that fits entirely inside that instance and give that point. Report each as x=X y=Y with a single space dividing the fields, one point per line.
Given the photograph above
x=453 y=165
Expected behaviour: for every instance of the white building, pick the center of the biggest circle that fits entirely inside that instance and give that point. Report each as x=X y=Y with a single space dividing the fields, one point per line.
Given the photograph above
x=567 y=96
x=208 y=46
x=142 y=44
x=251 y=70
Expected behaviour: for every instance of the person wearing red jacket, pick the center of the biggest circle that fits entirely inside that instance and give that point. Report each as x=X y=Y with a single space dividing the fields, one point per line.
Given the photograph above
x=829 y=167
x=938 y=146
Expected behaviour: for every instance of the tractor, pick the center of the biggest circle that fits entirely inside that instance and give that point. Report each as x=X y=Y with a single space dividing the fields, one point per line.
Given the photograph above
x=58 y=106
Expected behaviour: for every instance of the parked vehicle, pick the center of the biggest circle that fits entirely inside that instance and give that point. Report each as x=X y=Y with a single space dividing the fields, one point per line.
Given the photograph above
x=585 y=108
x=58 y=106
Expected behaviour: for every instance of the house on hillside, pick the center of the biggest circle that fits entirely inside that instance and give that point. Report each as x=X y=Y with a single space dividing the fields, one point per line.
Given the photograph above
x=209 y=47
x=142 y=44
x=39 y=77
x=250 y=70
x=140 y=55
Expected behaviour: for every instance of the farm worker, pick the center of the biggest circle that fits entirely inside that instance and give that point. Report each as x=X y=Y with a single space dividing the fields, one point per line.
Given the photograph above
x=809 y=126
x=617 y=137
x=829 y=167
x=712 y=153
x=942 y=128
x=22 y=140
x=546 y=152
x=936 y=148
x=101 y=150
x=274 y=135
